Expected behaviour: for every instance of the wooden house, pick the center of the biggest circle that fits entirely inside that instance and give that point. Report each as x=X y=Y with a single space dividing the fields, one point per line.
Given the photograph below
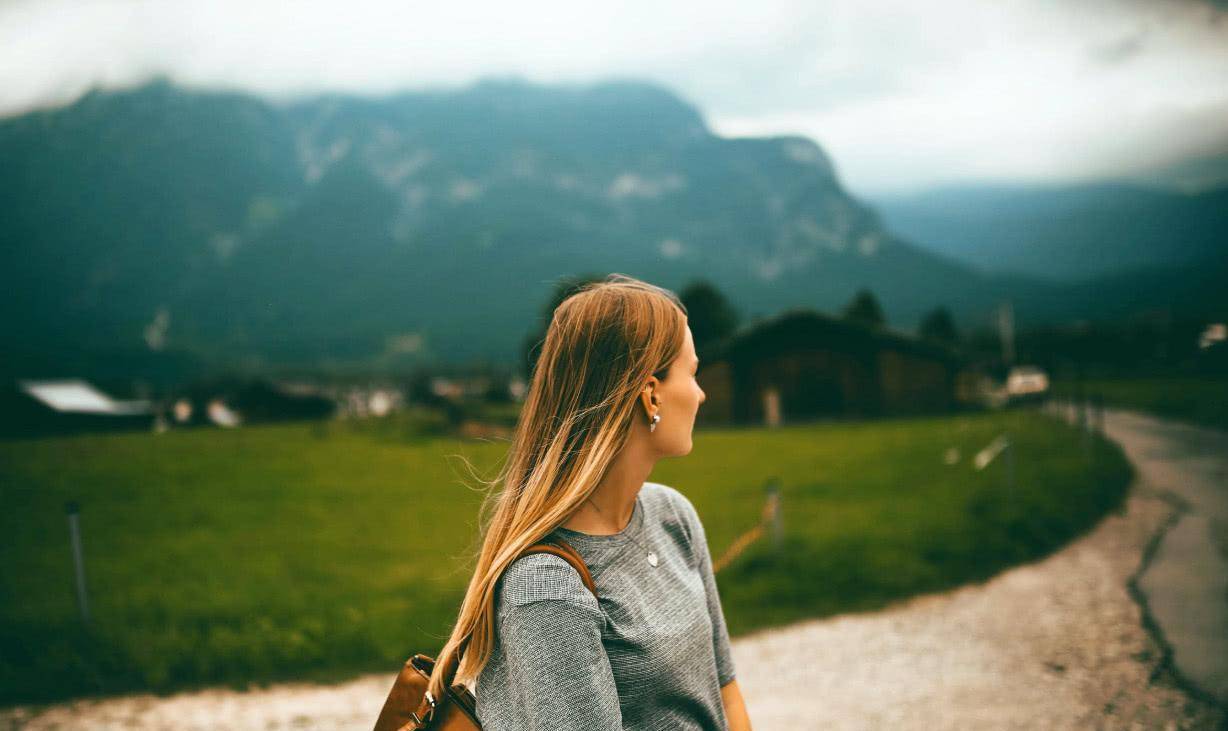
x=37 y=408
x=803 y=365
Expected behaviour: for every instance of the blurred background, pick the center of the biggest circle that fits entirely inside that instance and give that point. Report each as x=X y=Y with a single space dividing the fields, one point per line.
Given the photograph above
x=272 y=279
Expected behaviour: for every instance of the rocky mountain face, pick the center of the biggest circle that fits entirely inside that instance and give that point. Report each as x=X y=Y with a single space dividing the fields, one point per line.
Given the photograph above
x=187 y=226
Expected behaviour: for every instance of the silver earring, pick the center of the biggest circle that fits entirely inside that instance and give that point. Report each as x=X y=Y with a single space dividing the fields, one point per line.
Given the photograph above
x=653 y=425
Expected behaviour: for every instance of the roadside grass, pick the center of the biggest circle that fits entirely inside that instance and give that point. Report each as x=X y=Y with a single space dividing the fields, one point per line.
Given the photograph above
x=317 y=551
x=1196 y=400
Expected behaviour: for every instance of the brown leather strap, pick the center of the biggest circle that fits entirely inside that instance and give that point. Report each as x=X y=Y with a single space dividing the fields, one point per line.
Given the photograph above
x=558 y=547
x=563 y=549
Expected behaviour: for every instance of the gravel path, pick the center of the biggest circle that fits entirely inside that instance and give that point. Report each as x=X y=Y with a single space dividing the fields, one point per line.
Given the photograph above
x=1058 y=644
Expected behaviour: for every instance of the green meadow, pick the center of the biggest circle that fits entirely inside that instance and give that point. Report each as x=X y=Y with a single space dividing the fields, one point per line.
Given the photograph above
x=1196 y=400
x=318 y=551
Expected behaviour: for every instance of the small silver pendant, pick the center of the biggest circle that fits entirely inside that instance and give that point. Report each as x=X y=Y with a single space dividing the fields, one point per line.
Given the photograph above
x=652 y=558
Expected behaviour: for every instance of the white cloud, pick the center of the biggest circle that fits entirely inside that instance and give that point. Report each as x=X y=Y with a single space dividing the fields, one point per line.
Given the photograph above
x=899 y=94
x=1018 y=92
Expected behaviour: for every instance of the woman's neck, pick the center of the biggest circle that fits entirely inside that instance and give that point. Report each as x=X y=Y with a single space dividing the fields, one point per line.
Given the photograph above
x=614 y=497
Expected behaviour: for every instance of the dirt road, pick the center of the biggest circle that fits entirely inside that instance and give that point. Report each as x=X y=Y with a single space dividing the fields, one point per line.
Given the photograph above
x=1058 y=644
x=1185 y=587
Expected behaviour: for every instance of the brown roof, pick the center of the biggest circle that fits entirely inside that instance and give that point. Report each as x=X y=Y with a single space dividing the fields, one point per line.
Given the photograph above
x=786 y=330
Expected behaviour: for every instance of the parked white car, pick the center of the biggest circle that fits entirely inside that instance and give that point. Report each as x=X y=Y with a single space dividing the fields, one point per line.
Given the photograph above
x=1026 y=383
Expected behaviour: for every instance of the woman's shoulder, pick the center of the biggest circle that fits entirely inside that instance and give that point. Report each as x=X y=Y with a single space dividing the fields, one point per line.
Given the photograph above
x=543 y=577
x=659 y=493
x=665 y=499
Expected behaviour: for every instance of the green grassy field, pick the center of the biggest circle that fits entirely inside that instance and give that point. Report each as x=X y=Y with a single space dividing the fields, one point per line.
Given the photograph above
x=1196 y=400
x=320 y=551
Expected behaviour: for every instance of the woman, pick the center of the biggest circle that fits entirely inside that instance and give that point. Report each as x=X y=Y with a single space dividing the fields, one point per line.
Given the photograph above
x=613 y=391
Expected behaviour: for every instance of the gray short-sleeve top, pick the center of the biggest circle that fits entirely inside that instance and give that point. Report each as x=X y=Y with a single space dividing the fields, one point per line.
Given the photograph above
x=652 y=652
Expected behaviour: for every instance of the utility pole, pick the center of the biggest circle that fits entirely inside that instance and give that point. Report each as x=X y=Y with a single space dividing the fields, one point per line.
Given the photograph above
x=1006 y=331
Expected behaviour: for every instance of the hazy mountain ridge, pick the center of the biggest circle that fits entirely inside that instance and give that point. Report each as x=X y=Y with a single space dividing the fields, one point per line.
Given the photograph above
x=417 y=226
x=1065 y=233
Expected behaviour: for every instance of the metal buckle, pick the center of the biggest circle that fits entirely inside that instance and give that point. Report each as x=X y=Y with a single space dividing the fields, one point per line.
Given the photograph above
x=421 y=721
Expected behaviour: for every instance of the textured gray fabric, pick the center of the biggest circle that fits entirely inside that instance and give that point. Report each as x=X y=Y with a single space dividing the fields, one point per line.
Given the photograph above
x=653 y=653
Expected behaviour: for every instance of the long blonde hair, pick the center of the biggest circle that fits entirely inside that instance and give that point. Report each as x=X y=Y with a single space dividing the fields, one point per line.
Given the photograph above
x=602 y=344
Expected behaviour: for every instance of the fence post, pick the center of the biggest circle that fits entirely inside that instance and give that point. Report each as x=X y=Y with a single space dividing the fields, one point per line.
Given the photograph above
x=1010 y=470
x=74 y=532
x=1098 y=405
x=773 y=491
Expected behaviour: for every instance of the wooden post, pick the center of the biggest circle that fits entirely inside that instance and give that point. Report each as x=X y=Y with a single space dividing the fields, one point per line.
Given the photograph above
x=1010 y=470
x=74 y=532
x=773 y=492
x=771 y=406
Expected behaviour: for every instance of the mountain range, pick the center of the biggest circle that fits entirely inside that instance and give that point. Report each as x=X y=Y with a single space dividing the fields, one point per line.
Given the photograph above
x=1065 y=232
x=158 y=228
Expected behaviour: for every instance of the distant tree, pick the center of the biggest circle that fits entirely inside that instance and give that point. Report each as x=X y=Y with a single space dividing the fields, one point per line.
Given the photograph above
x=418 y=389
x=709 y=313
x=261 y=400
x=497 y=392
x=531 y=347
x=864 y=309
x=939 y=326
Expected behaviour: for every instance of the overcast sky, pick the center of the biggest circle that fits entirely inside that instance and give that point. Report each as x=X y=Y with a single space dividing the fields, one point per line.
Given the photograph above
x=902 y=94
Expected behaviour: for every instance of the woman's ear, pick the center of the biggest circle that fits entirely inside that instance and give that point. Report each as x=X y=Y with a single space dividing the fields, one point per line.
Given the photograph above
x=648 y=396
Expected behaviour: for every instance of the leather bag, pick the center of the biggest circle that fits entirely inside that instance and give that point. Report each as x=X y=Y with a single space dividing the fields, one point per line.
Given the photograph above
x=410 y=708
